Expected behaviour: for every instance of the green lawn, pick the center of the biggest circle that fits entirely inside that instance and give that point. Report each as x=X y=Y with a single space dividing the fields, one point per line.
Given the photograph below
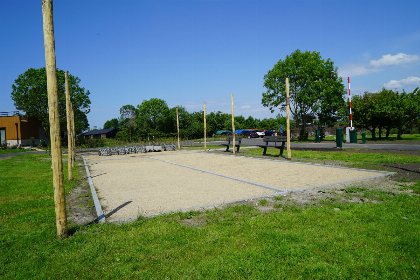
x=368 y=240
x=356 y=159
x=12 y=151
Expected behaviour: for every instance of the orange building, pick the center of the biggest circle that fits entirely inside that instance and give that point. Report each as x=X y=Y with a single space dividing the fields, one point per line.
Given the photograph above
x=17 y=132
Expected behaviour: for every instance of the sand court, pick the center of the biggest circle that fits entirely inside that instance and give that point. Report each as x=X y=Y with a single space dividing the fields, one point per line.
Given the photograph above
x=152 y=183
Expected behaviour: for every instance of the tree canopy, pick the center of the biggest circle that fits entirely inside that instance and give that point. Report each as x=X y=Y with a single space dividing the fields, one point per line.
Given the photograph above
x=386 y=109
x=314 y=86
x=29 y=93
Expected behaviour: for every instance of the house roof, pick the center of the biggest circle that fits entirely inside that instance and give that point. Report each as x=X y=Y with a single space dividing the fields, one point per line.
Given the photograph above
x=100 y=131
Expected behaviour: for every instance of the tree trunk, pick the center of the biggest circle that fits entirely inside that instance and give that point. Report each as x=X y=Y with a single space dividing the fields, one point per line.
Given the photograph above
x=373 y=131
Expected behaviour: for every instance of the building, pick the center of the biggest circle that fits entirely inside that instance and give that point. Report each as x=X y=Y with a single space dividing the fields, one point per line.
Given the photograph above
x=101 y=133
x=17 y=132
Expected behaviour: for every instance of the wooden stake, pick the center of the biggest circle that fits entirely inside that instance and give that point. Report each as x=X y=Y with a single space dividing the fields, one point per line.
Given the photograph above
x=177 y=127
x=205 y=128
x=54 y=118
x=289 y=152
x=69 y=133
x=233 y=125
x=73 y=135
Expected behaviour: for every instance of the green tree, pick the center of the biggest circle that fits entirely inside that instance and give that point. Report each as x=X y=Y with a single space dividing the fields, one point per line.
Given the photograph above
x=364 y=108
x=408 y=112
x=29 y=93
x=151 y=116
x=113 y=123
x=315 y=88
x=128 y=115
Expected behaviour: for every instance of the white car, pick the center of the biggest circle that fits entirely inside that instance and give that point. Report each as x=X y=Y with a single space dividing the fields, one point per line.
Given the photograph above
x=260 y=133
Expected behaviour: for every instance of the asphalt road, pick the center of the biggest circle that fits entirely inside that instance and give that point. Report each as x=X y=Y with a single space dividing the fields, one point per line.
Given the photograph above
x=400 y=145
x=414 y=146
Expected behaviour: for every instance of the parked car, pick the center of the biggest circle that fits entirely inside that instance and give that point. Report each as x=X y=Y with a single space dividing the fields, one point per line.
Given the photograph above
x=270 y=132
x=249 y=134
x=223 y=132
x=261 y=133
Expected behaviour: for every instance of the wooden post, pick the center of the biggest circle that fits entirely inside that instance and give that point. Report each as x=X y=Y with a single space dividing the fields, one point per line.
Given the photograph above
x=289 y=153
x=233 y=125
x=73 y=135
x=205 y=128
x=69 y=132
x=54 y=118
x=177 y=127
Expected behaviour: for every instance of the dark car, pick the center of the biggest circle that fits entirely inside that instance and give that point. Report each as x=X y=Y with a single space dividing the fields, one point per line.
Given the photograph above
x=223 y=132
x=249 y=134
x=270 y=132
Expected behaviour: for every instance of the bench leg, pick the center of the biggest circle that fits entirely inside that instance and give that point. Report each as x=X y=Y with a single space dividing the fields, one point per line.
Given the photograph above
x=237 y=149
x=281 y=149
x=265 y=151
x=227 y=149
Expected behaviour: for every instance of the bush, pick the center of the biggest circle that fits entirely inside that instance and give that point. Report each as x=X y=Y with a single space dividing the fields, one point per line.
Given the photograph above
x=42 y=143
x=32 y=141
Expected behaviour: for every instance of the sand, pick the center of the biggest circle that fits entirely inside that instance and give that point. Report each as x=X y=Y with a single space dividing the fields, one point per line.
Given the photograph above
x=152 y=183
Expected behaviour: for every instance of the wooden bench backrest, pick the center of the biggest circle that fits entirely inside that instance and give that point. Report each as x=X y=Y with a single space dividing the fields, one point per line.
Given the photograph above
x=275 y=139
x=230 y=138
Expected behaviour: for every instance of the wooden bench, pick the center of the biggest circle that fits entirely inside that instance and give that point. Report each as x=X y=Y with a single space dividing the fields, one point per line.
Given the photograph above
x=275 y=140
x=229 y=143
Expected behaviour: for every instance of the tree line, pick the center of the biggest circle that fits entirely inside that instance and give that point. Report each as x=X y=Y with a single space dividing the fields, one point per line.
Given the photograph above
x=153 y=118
x=387 y=110
x=316 y=92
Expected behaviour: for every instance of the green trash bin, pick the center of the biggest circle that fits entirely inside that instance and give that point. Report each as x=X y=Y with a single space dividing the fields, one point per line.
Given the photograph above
x=353 y=136
x=364 y=138
x=339 y=137
x=318 y=136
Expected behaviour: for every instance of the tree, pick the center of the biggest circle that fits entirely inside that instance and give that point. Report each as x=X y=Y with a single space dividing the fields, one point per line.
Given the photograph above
x=151 y=116
x=128 y=121
x=386 y=109
x=408 y=105
x=29 y=93
x=113 y=123
x=315 y=88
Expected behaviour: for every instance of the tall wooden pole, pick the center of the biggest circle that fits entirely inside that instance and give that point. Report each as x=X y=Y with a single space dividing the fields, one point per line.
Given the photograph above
x=69 y=128
x=73 y=135
x=54 y=118
x=177 y=127
x=289 y=152
x=233 y=125
x=205 y=128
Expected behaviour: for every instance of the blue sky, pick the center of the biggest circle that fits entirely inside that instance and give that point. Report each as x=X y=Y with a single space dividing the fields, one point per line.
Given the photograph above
x=188 y=52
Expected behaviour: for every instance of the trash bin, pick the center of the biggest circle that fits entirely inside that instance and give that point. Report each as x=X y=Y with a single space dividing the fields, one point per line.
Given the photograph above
x=318 y=136
x=353 y=136
x=364 y=138
x=339 y=137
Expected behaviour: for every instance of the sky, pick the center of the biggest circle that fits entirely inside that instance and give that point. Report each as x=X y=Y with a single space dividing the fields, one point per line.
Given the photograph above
x=191 y=52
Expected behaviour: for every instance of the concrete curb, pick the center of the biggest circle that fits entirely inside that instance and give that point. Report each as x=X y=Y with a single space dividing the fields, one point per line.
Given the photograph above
x=99 y=212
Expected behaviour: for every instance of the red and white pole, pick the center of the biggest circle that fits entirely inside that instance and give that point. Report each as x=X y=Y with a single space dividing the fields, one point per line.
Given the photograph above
x=351 y=118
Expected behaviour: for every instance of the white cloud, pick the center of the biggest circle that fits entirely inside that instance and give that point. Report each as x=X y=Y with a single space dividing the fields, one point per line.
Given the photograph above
x=388 y=59
x=352 y=70
x=356 y=70
x=410 y=81
x=245 y=107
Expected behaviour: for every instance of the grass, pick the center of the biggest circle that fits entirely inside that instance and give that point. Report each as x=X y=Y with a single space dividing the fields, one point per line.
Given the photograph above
x=353 y=159
x=368 y=240
x=11 y=151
